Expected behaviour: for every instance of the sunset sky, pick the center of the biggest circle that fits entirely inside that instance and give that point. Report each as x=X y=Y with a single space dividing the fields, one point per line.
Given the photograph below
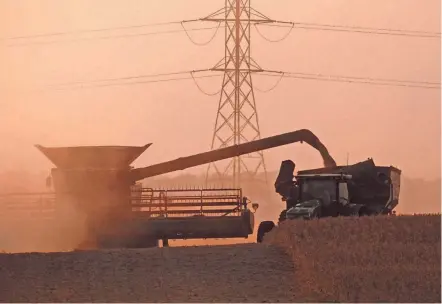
x=394 y=125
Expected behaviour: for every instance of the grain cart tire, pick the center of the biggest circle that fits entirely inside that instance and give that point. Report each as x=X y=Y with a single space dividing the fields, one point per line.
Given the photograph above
x=316 y=214
x=282 y=216
x=264 y=227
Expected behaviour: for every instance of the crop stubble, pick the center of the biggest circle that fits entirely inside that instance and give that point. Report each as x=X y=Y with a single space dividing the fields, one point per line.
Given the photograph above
x=369 y=259
x=386 y=259
x=236 y=273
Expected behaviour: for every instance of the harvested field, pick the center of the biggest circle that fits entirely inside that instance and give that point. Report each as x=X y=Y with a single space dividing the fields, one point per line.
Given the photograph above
x=371 y=259
x=235 y=273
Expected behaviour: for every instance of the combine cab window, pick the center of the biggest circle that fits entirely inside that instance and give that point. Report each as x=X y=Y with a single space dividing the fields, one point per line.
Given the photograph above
x=324 y=190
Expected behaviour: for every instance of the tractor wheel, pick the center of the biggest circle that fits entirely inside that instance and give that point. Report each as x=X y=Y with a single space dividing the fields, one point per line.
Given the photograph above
x=264 y=227
x=363 y=212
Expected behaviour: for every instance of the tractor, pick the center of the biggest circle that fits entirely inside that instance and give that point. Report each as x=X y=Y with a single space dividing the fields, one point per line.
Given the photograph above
x=362 y=189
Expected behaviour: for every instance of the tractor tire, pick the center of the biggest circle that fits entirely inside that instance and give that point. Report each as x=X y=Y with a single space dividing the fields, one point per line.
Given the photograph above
x=363 y=212
x=264 y=227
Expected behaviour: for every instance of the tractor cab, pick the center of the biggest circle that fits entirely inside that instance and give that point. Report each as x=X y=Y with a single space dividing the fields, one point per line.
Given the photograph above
x=320 y=195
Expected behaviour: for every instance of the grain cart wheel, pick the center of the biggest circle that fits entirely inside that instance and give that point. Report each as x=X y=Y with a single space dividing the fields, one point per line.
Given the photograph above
x=316 y=214
x=264 y=227
x=282 y=216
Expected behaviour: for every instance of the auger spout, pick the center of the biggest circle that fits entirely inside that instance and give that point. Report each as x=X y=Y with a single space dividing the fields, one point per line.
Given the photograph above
x=182 y=163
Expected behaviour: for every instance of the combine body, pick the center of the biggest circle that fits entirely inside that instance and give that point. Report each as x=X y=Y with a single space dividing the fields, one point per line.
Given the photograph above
x=100 y=183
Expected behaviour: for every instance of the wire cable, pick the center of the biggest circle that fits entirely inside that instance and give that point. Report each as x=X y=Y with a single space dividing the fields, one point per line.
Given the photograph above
x=273 y=41
x=306 y=25
x=136 y=83
x=198 y=43
x=199 y=88
x=368 y=28
x=280 y=74
x=365 y=78
x=353 y=29
x=97 y=30
x=109 y=37
x=271 y=88
x=355 y=80
x=122 y=78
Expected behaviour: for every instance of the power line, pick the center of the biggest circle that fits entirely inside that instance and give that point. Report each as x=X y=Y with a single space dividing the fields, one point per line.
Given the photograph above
x=369 y=28
x=137 y=82
x=362 y=80
x=272 y=87
x=201 y=90
x=113 y=36
x=128 y=77
x=97 y=30
x=204 y=43
x=270 y=73
x=274 y=23
x=278 y=40
x=353 y=29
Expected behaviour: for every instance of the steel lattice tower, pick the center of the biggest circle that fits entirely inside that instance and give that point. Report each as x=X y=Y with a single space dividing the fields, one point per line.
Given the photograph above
x=237 y=118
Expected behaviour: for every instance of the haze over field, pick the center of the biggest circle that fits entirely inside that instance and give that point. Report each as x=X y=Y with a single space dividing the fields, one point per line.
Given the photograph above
x=394 y=125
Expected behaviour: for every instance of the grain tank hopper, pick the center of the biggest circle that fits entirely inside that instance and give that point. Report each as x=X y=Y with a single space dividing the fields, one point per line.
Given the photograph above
x=100 y=183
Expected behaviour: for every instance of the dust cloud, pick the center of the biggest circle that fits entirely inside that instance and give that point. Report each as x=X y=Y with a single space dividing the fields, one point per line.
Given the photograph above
x=25 y=228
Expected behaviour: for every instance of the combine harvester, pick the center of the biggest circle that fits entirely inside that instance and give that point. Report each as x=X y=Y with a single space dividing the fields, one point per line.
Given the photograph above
x=101 y=185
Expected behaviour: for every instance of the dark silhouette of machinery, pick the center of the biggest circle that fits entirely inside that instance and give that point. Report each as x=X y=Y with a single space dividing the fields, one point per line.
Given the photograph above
x=99 y=183
x=362 y=189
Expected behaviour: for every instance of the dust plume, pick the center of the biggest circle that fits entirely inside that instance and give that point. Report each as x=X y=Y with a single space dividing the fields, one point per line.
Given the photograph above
x=22 y=230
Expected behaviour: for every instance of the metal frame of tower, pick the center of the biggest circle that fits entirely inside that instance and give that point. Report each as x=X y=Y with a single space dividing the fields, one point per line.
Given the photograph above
x=237 y=118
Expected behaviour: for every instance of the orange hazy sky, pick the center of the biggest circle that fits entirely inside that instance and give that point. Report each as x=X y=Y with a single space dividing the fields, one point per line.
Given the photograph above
x=396 y=126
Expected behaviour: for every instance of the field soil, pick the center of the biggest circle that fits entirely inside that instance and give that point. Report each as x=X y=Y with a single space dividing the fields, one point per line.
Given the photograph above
x=233 y=273
x=370 y=259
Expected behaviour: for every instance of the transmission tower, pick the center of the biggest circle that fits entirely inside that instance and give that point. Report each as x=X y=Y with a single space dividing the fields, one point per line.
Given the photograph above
x=237 y=117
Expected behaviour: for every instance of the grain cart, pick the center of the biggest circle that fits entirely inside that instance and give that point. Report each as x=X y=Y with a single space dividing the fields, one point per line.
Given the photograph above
x=100 y=183
x=355 y=190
